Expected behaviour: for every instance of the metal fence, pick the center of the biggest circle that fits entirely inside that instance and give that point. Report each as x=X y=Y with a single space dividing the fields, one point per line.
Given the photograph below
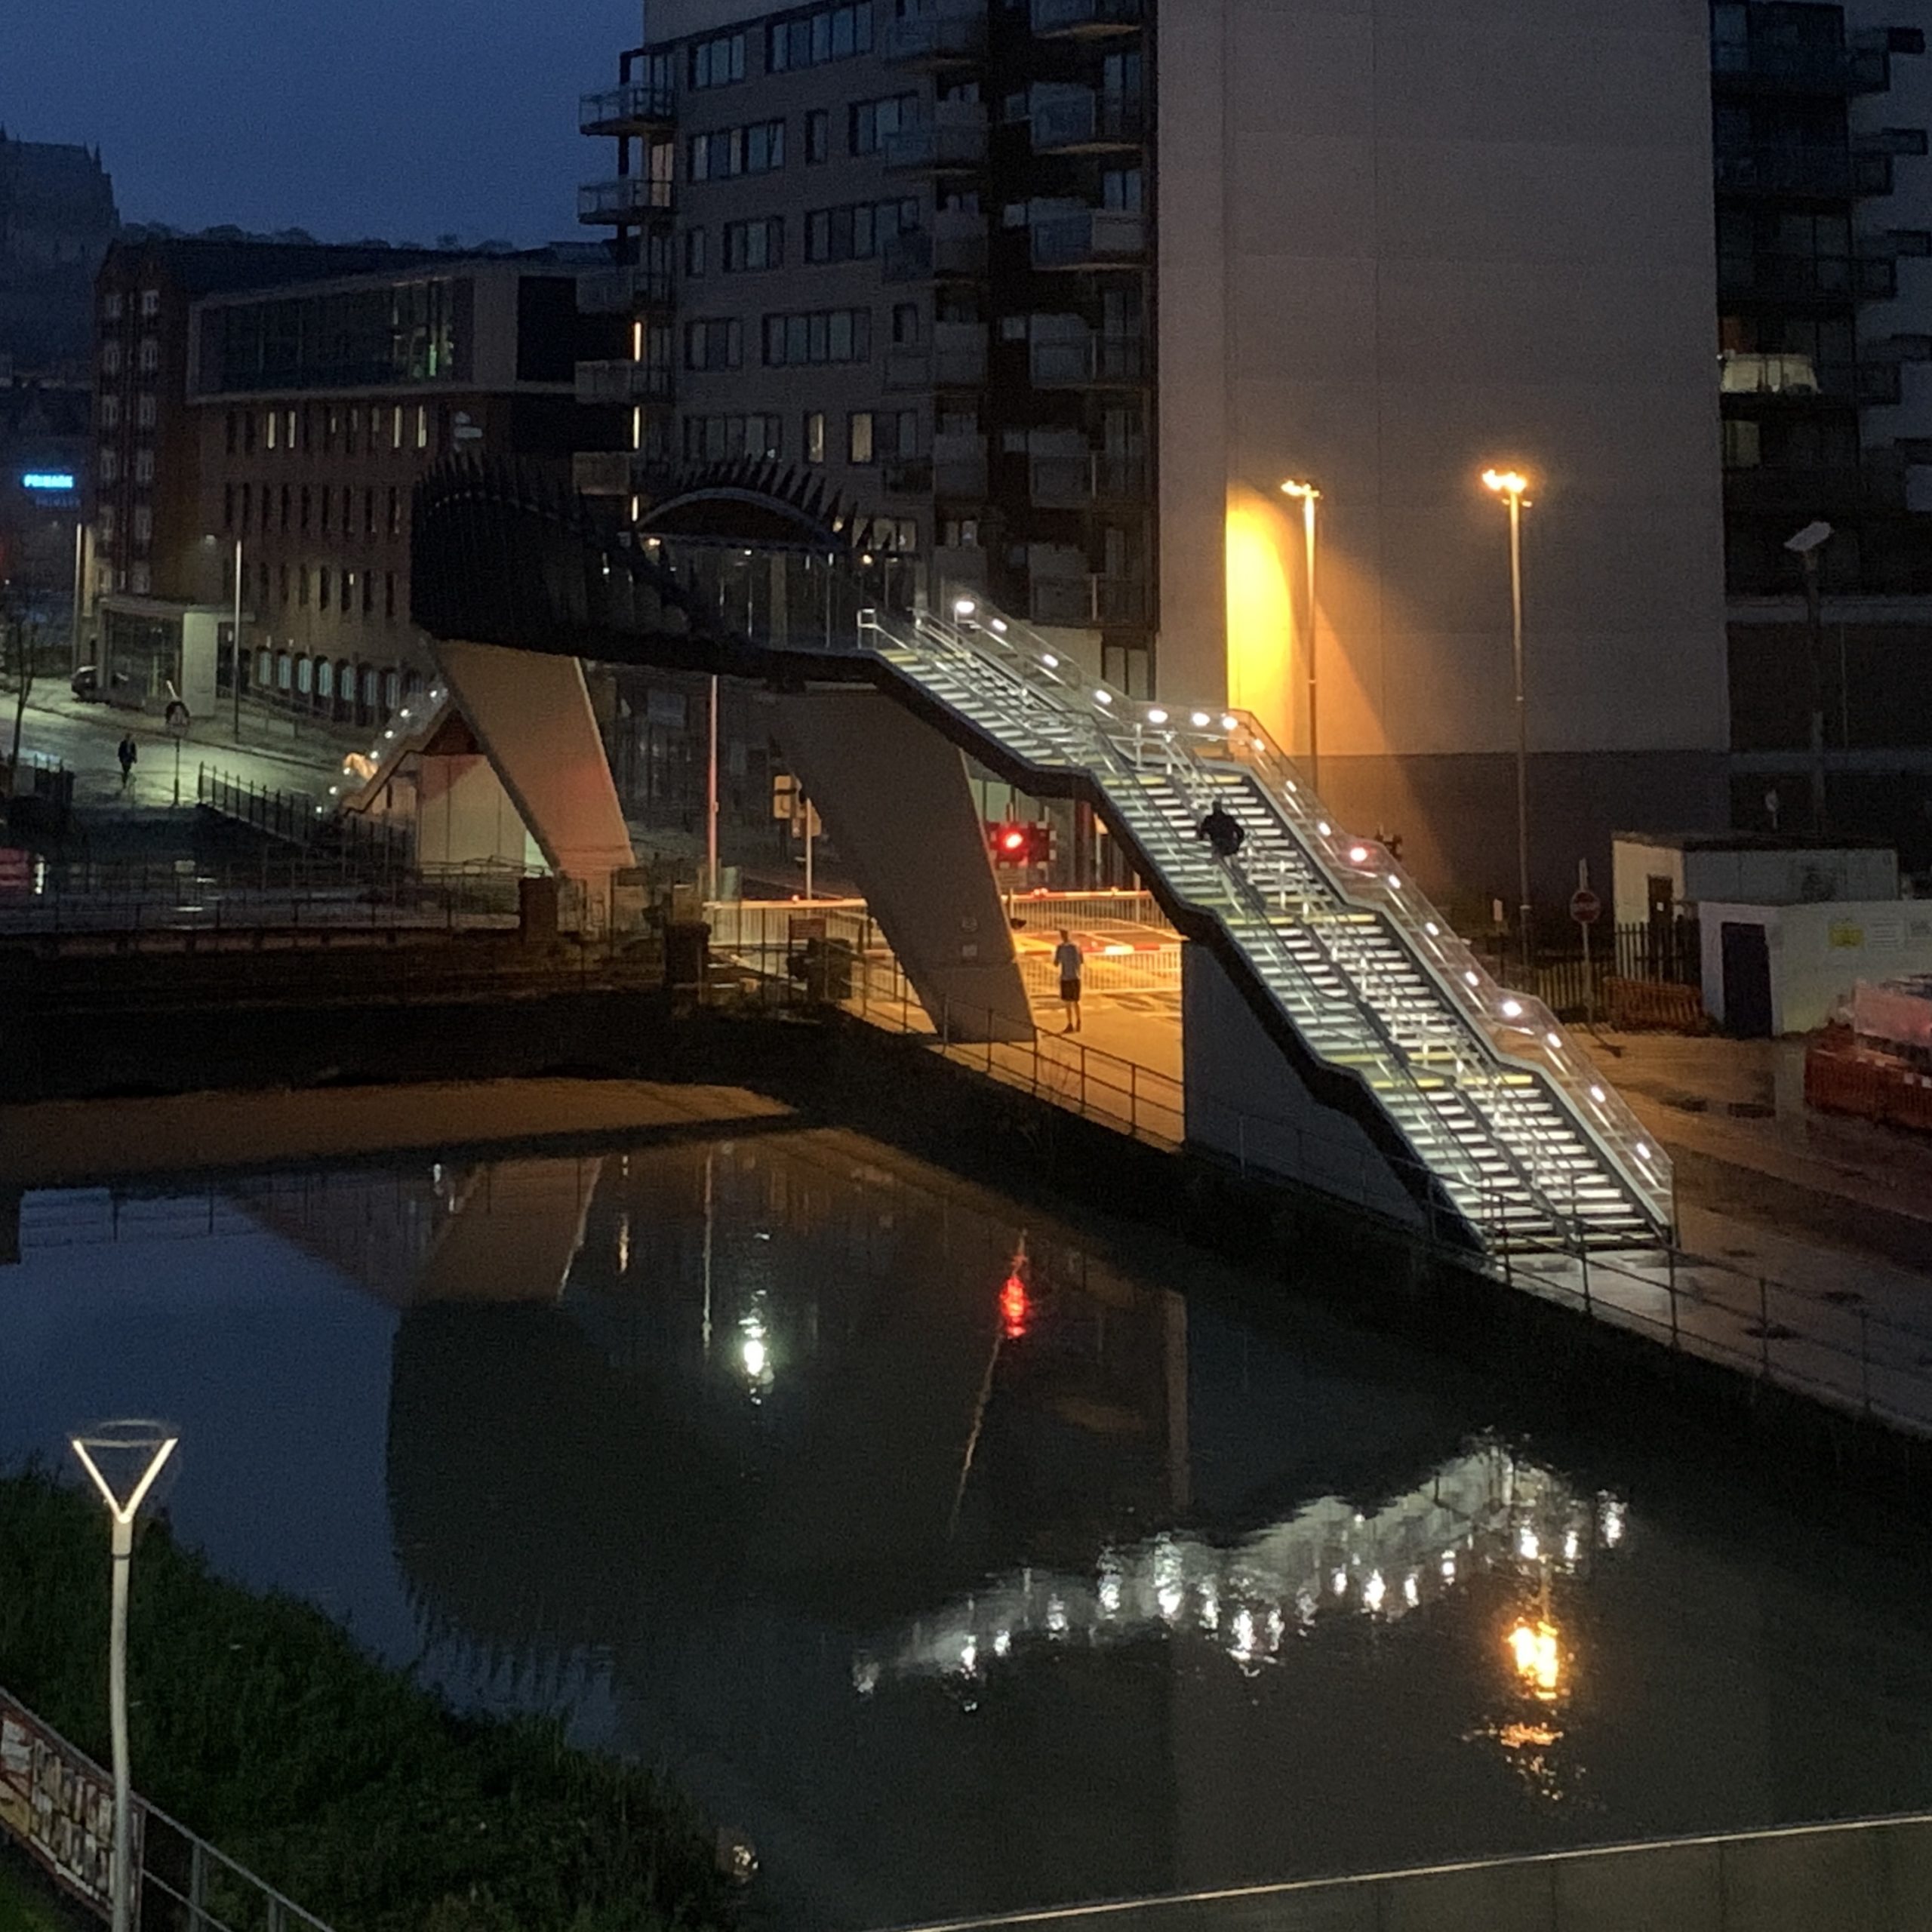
x=1663 y=954
x=57 y=1804
x=301 y=819
x=1832 y=1346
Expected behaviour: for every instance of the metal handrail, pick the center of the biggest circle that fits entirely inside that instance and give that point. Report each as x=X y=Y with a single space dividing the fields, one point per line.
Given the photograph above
x=1362 y=880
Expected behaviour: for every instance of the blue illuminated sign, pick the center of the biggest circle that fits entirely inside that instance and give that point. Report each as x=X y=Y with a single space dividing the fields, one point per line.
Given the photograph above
x=60 y=480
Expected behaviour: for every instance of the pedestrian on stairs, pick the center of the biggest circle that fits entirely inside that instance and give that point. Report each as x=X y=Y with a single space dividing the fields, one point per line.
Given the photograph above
x=1222 y=832
x=1068 y=963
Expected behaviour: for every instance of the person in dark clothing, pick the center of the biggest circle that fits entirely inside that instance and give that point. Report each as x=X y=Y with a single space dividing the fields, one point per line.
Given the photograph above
x=127 y=753
x=1222 y=832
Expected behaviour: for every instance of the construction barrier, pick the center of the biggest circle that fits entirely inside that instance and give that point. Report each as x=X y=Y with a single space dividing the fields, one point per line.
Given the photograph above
x=1837 y=1081
x=1637 y=1005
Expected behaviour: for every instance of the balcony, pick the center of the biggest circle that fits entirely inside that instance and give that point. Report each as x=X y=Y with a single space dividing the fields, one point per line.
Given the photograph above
x=1092 y=238
x=1082 y=120
x=959 y=467
x=1827 y=278
x=947 y=32
x=1087 y=361
x=639 y=109
x=1768 y=66
x=629 y=199
x=1083 y=480
x=622 y=291
x=956 y=137
x=1085 y=602
x=1054 y=17
x=602 y=472
x=622 y=382
x=954 y=359
x=953 y=249
x=1820 y=173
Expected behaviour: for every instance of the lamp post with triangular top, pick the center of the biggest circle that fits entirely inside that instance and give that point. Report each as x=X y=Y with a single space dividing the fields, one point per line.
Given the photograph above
x=124 y=1459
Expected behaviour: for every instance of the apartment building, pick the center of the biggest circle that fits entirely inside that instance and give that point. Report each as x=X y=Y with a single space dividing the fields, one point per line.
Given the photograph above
x=285 y=398
x=1058 y=294
x=1824 y=196
x=317 y=406
x=57 y=218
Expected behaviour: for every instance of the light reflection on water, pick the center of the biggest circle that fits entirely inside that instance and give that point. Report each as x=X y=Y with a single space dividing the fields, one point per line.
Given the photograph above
x=962 y=1564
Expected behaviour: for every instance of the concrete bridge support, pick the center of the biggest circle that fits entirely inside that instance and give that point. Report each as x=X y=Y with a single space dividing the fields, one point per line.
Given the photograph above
x=531 y=715
x=894 y=795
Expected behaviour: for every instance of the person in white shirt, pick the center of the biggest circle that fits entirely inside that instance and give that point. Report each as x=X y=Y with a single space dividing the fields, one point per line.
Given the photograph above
x=1066 y=959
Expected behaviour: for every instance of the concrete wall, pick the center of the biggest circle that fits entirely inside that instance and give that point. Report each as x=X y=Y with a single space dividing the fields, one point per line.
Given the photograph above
x=465 y=817
x=1819 y=953
x=1862 y=1878
x=1748 y=877
x=894 y=796
x=1243 y=1099
x=1400 y=240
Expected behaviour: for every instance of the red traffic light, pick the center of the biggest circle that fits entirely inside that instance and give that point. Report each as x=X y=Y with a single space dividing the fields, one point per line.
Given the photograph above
x=1015 y=843
x=1013 y=839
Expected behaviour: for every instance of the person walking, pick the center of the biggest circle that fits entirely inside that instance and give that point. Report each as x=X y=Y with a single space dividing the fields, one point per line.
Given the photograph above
x=1223 y=830
x=127 y=752
x=1067 y=961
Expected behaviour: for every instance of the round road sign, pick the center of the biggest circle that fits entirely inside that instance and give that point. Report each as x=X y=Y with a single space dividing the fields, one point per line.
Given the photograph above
x=1586 y=907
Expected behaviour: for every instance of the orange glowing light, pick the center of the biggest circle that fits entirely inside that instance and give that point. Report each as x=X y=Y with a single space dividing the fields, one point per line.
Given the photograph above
x=1534 y=1650
x=1016 y=1308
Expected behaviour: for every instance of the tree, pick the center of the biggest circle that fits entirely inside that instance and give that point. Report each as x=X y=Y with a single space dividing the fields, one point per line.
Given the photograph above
x=16 y=668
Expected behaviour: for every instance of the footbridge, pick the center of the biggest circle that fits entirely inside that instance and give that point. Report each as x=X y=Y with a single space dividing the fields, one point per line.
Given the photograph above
x=1313 y=952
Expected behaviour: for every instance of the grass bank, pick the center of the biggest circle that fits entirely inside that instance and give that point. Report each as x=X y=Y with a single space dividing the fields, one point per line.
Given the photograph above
x=261 y=1724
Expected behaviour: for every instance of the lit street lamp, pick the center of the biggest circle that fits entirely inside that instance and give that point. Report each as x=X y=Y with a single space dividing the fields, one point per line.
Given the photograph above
x=1308 y=496
x=124 y=1459
x=1509 y=485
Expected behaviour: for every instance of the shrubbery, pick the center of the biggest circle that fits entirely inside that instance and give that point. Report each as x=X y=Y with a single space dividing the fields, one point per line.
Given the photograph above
x=261 y=1724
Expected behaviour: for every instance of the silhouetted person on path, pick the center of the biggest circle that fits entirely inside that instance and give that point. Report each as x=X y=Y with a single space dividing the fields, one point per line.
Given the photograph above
x=1222 y=832
x=127 y=753
x=1067 y=961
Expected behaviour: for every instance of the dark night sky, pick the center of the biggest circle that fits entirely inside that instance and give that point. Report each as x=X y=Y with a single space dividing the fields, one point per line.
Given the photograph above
x=402 y=118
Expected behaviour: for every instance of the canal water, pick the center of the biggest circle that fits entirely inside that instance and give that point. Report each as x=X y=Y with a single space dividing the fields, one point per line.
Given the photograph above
x=962 y=1561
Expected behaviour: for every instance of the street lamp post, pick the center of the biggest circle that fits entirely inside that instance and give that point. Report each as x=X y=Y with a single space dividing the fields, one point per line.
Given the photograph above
x=123 y=1458
x=1509 y=485
x=235 y=645
x=1806 y=546
x=1308 y=496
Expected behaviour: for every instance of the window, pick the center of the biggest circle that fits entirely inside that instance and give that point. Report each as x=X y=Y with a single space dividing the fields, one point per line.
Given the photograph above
x=328 y=497
x=110 y=463
x=351 y=429
x=110 y=359
x=368 y=513
x=814 y=440
x=285 y=586
x=962 y=534
x=828 y=335
x=828 y=33
x=144 y=466
x=275 y=429
x=140 y=579
x=717 y=62
x=718 y=344
x=905 y=324
x=389 y=593
x=895 y=433
x=818 y=136
x=1120 y=189
x=143 y=523
x=693 y=252
x=869 y=122
x=110 y=306
x=110 y=412
x=396 y=512
x=146 y=411
x=331 y=427
x=248 y=433
x=422 y=425
x=227 y=497
x=302 y=586
x=709 y=439
x=150 y=355
x=325 y=679
x=395 y=427
x=234 y=432
x=727 y=153
x=289 y=428
x=859 y=437
x=322 y=588
x=368 y=592
x=751 y=245
x=1743 y=446
x=150 y=301
x=307 y=505
x=248 y=504
x=348 y=591
x=857 y=233
x=305 y=674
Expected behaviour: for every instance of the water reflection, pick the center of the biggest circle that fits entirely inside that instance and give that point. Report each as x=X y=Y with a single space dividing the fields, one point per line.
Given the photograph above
x=968 y=1562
